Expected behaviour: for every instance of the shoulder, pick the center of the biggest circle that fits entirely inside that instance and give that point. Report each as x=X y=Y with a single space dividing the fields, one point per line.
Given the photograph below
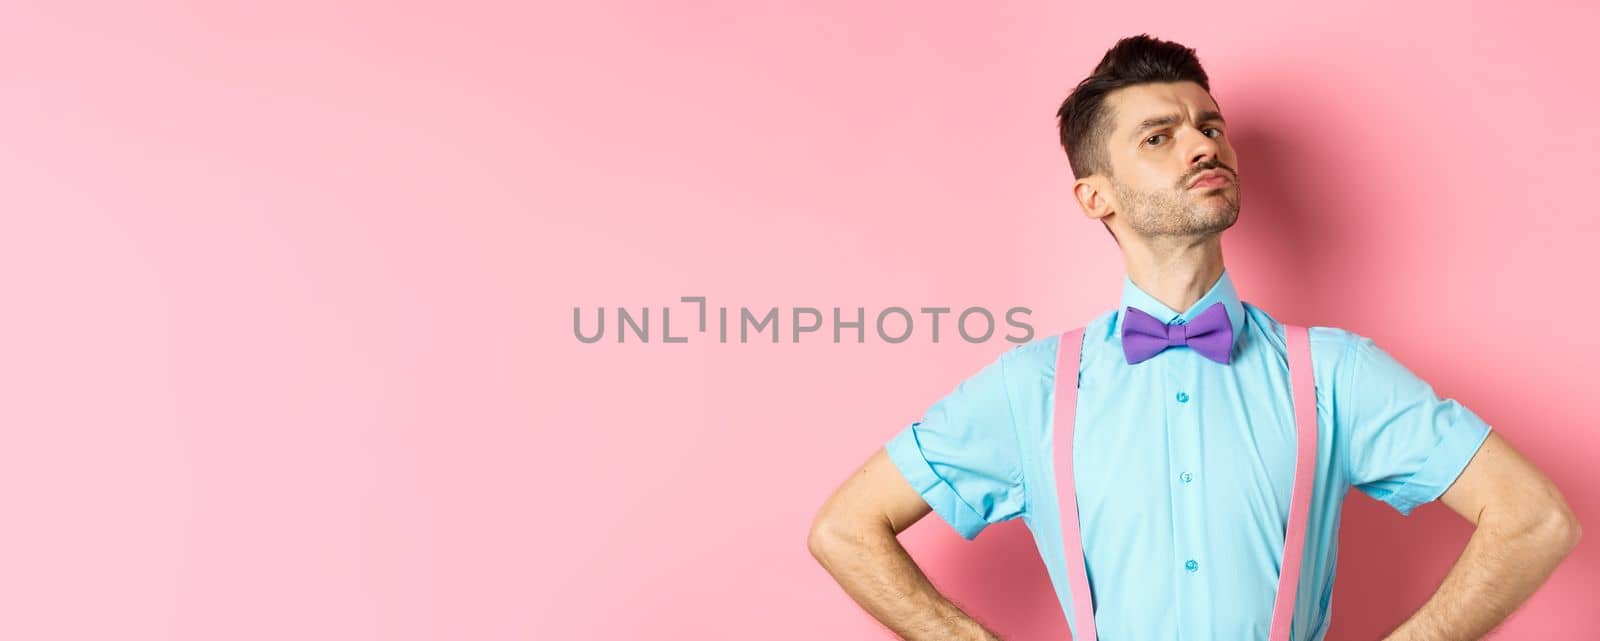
x=1330 y=346
x=1035 y=360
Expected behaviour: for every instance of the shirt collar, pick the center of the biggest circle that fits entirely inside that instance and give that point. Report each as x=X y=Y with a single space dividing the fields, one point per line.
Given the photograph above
x=1221 y=292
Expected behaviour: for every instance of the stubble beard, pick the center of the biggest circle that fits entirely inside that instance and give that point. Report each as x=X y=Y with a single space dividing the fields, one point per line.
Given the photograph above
x=1179 y=213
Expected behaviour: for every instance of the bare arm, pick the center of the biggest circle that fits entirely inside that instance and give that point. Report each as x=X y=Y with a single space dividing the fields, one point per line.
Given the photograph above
x=1524 y=529
x=854 y=537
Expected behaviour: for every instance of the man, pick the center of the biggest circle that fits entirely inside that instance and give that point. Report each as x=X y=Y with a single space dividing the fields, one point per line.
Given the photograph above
x=1185 y=457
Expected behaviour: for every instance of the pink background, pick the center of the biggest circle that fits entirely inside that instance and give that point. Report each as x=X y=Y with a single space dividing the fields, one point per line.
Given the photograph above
x=288 y=350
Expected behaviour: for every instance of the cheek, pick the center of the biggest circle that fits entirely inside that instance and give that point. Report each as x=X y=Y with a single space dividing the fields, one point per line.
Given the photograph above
x=1152 y=173
x=1228 y=156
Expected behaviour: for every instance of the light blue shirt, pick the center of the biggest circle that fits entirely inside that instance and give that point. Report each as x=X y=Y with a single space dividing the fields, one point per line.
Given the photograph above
x=1185 y=465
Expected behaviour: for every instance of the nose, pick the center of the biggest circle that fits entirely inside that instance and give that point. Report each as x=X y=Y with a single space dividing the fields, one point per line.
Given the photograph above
x=1203 y=148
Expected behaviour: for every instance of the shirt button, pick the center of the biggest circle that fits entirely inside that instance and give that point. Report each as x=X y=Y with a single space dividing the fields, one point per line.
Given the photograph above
x=1179 y=322
x=1186 y=477
x=1183 y=397
x=1191 y=566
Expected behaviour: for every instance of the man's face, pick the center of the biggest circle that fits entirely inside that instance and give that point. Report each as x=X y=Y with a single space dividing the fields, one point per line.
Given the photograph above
x=1166 y=136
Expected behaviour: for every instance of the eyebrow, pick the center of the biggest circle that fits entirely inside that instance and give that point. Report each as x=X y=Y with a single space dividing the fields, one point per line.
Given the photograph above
x=1162 y=121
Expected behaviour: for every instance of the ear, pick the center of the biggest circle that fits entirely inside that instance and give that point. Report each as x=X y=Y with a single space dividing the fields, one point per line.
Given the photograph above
x=1094 y=196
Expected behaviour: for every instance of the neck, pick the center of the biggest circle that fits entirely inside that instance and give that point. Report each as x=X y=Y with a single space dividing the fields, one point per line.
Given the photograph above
x=1175 y=271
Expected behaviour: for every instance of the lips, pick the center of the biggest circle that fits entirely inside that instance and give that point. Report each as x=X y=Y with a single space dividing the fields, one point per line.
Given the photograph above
x=1211 y=178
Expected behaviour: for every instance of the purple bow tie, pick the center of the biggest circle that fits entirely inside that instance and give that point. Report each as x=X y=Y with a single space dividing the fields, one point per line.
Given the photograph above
x=1210 y=333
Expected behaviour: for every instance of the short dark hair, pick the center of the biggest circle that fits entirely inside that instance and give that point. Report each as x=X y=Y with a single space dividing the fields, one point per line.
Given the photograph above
x=1083 y=121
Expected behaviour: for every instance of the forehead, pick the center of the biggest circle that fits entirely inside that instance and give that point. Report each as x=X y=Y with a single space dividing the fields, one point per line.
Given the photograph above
x=1130 y=106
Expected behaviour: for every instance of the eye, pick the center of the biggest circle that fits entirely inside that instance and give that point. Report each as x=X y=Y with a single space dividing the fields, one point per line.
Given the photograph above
x=1216 y=129
x=1147 y=140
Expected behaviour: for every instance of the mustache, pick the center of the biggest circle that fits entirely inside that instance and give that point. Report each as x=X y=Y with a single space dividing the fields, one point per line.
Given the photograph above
x=1205 y=167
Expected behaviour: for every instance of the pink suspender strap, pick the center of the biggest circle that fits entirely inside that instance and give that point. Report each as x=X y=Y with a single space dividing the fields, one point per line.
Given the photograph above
x=1066 y=412
x=1301 y=382
x=1305 y=412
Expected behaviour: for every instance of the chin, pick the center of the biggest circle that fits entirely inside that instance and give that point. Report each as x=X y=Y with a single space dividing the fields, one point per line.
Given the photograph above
x=1218 y=218
x=1217 y=205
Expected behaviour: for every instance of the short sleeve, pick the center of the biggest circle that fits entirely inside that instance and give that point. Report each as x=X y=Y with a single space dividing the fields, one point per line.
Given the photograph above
x=963 y=456
x=1405 y=444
